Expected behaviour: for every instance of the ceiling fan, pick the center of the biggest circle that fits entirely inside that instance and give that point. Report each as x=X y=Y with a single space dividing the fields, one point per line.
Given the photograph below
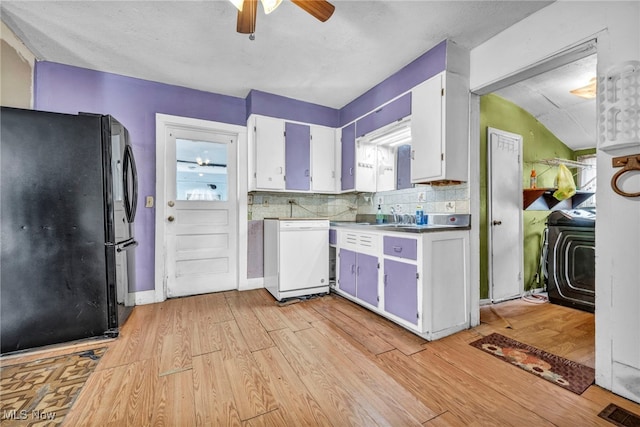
x=247 y=9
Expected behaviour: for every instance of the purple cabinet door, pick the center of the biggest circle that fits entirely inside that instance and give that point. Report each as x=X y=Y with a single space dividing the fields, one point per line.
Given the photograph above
x=403 y=167
x=401 y=290
x=347 y=273
x=297 y=152
x=367 y=278
x=393 y=111
x=348 y=157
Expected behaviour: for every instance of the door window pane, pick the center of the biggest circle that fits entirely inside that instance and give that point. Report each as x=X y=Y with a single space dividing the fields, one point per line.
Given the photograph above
x=201 y=170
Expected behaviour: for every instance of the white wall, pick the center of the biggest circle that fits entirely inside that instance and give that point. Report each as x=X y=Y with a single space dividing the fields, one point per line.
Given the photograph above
x=551 y=30
x=16 y=66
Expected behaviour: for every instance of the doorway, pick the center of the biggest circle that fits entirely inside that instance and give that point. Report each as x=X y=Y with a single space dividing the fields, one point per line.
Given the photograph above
x=197 y=207
x=532 y=263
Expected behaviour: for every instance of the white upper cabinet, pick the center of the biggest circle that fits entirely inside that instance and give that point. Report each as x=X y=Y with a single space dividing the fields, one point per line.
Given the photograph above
x=323 y=159
x=366 y=166
x=269 y=166
x=386 y=173
x=291 y=156
x=440 y=129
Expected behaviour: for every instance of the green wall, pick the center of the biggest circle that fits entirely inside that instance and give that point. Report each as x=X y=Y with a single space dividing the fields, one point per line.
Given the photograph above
x=538 y=143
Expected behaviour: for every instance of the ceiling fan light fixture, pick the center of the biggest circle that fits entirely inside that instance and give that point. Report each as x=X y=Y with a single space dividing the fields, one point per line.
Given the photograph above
x=588 y=91
x=270 y=5
x=238 y=4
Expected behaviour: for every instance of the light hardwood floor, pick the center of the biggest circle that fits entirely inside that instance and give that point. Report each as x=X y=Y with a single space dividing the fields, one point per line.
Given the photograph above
x=237 y=358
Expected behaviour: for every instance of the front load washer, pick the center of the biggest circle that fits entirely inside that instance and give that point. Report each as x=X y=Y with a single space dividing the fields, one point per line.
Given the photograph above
x=571 y=258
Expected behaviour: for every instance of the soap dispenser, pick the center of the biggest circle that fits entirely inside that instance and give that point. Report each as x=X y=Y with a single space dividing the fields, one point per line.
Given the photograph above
x=379 y=216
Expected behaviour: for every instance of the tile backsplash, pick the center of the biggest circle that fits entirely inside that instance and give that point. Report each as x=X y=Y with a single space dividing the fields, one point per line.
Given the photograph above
x=344 y=207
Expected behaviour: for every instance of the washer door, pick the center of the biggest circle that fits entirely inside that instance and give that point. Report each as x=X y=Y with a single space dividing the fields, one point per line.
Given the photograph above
x=572 y=267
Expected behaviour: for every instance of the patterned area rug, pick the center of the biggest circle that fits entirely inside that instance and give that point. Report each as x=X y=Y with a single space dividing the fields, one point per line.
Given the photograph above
x=558 y=370
x=41 y=392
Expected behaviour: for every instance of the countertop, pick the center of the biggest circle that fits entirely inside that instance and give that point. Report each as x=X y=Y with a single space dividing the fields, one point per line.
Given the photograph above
x=441 y=222
x=298 y=219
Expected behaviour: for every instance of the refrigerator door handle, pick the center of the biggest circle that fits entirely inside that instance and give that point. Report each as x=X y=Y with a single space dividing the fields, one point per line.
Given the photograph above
x=130 y=245
x=130 y=200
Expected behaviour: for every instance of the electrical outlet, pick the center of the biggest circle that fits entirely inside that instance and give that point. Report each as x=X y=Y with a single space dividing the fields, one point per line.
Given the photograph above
x=250 y=199
x=265 y=202
x=422 y=196
x=380 y=200
x=149 y=202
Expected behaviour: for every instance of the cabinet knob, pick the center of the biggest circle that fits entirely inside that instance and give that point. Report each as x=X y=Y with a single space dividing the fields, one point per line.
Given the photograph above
x=497 y=222
x=171 y=218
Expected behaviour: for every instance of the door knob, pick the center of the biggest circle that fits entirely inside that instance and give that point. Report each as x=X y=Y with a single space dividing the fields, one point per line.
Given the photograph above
x=497 y=222
x=171 y=218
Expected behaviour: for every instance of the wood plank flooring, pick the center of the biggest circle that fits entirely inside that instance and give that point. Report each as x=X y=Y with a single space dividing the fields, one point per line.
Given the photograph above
x=240 y=359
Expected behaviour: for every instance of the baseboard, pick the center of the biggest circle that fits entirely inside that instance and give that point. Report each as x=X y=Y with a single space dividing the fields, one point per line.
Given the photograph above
x=255 y=283
x=146 y=297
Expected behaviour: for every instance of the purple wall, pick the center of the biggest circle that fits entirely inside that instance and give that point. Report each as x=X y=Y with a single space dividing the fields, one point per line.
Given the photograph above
x=267 y=104
x=134 y=103
x=424 y=67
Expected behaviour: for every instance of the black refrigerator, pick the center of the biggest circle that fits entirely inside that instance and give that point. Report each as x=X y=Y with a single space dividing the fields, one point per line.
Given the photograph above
x=68 y=192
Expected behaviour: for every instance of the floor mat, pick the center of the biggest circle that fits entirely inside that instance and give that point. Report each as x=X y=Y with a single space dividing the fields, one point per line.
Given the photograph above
x=41 y=392
x=558 y=370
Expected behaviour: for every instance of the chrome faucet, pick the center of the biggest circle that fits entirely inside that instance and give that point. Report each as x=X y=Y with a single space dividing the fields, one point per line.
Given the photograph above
x=395 y=215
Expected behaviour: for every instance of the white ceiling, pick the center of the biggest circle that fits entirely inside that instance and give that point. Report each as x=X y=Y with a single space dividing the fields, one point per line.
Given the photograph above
x=194 y=44
x=547 y=97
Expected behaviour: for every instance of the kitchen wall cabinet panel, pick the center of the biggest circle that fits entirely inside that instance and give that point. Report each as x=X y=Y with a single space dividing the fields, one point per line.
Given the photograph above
x=385 y=168
x=268 y=137
x=290 y=156
x=297 y=143
x=348 y=155
x=366 y=167
x=439 y=129
x=389 y=113
x=403 y=167
x=323 y=159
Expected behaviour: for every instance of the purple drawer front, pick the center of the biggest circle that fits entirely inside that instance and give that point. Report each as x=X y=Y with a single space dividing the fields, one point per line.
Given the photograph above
x=401 y=247
x=332 y=237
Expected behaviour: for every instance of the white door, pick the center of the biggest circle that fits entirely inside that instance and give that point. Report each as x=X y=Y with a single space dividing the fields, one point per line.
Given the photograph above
x=323 y=158
x=426 y=133
x=198 y=214
x=269 y=146
x=505 y=215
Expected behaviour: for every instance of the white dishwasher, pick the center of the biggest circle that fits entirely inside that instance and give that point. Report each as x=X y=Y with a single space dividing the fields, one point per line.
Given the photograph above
x=296 y=257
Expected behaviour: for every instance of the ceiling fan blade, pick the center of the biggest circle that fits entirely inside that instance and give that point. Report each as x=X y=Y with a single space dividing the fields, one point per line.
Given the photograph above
x=247 y=17
x=320 y=9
